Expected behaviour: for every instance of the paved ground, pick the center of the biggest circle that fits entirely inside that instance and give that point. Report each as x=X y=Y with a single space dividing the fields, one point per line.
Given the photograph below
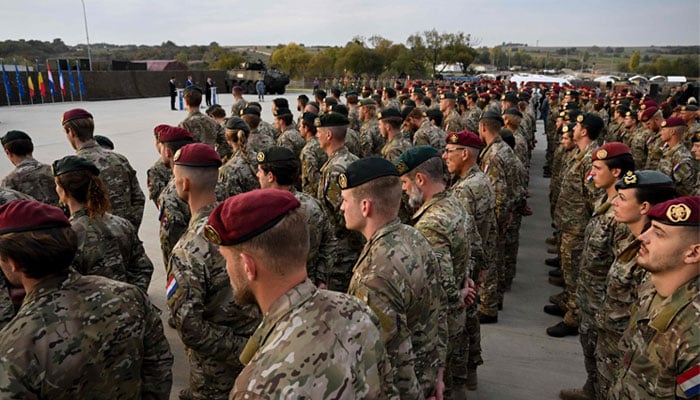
x=520 y=360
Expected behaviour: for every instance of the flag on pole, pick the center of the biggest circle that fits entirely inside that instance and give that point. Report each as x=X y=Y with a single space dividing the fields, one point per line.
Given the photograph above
x=20 y=86
x=30 y=84
x=52 y=88
x=71 y=84
x=40 y=81
x=6 y=80
x=60 y=79
x=80 y=78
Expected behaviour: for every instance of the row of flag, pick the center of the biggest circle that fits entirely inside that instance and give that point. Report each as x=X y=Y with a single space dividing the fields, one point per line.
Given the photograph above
x=40 y=82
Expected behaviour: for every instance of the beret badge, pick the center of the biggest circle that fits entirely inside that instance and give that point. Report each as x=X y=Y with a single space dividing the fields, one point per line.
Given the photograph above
x=678 y=213
x=579 y=118
x=402 y=167
x=630 y=178
x=177 y=155
x=260 y=157
x=343 y=181
x=601 y=154
x=453 y=139
x=211 y=234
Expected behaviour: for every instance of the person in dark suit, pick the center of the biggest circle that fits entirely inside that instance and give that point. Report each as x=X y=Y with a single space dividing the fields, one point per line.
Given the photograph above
x=173 y=92
x=207 y=92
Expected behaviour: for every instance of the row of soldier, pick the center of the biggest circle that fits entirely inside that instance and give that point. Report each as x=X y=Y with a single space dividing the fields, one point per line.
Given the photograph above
x=199 y=191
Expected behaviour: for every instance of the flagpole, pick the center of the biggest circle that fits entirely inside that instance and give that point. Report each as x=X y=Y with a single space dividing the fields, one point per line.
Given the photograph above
x=18 y=78
x=4 y=78
x=39 y=79
x=60 y=79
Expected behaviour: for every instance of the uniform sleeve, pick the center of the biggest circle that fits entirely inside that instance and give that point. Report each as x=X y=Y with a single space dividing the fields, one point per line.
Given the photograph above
x=140 y=268
x=12 y=384
x=501 y=192
x=326 y=251
x=684 y=177
x=186 y=298
x=138 y=199
x=156 y=370
x=7 y=309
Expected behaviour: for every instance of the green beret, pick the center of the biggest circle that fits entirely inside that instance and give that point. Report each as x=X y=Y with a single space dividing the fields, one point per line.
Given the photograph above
x=365 y=170
x=690 y=107
x=389 y=113
x=237 y=124
x=250 y=111
x=350 y=93
x=490 y=114
x=275 y=154
x=417 y=90
x=635 y=179
x=448 y=96
x=11 y=136
x=367 y=102
x=340 y=109
x=73 y=164
x=331 y=119
x=414 y=157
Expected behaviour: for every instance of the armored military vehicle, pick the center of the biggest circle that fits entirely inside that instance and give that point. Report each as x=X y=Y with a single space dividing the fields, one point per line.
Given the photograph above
x=275 y=81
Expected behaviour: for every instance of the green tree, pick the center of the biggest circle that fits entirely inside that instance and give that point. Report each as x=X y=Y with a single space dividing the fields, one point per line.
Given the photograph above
x=226 y=61
x=634 y=61
x=322 y=63
x=458 y=50
x=355 y=58
x=292 y=59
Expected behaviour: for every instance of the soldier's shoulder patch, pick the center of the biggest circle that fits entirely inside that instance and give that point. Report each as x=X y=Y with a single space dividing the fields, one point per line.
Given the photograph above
x=171 y=287
x=689 y=381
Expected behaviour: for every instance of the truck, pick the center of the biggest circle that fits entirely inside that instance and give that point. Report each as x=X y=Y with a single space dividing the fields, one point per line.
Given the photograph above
x=248 y=75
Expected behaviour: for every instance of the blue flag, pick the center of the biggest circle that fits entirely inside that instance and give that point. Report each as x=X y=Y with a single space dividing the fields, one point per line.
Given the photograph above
x=20 y=86
x=80 y=78
x=6 y=81
x=71 y=83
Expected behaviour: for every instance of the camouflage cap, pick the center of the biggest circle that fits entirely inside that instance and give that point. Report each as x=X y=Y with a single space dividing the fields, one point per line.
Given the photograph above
x=635 y=179
x=247 y=215
x=73 y=164
x=610 y=150
x=274 y=154
x=365 y=170
x=681 y=211
x=11 y=136
x=197 y=155
x=331 y=119
x=75 y=113
x=237 y=124
x=30 y=215
x=414 y=157
x=104 y=141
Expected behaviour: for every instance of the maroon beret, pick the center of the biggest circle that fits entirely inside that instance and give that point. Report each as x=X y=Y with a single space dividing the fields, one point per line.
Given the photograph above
x=197 y=155
x=76 y=113
x=30 y=215
x=681 y=211
x=173 y=134
x=158 y=129
x=648 y=104
x=611 y=150
x=673 y=122
x=245 y=216
x=648 y=113
x=465 y=138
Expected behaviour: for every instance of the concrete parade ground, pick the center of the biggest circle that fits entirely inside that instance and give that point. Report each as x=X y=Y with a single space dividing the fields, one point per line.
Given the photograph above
x=520 y=360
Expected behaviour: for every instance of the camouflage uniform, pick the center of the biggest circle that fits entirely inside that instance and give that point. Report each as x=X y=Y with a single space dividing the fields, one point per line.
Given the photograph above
x=443 y=221
x=394 y=148
x=354 y=118
x=574 y=210
x=429 y=135
x=291 y=139
x=312 y=159
x=678 y=163
x=238 y=105
x=7 y=307
x=205 y=130
x=512 y=235
x=212 y=327
x=11 y=194
x=306 y=325
x=33 y=178
x=553 y=135
x=352 y=142
x=616 y=131
x=174 y=215
x=125 y=194
x=349 y=243
x=157 y=178
x=452 y=122
x=79 y=337
x=660 y=344
x=621 y=284
x=471 y=120
x=393 y=103
x=266 y=128
x=396 y=276
x=638 y=145
x=321 y=238
x=601 y=236
x=371 y=140
x=655 y=150
x=238 y=175
x=258 y=142
x=109 y=246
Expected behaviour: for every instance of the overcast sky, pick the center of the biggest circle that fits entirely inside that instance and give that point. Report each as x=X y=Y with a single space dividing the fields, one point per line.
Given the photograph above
x=332 y=22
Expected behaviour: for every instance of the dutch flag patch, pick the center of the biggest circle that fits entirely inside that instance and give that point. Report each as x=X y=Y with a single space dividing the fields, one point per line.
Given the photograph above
x=171 y=287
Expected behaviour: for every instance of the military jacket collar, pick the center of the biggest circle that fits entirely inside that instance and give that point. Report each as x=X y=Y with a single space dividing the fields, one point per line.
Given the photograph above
x=661 y=317
x=200 y=214
x=391 y=226
x=50 y=285
x=437 y=197
x=27 y=161
x=89 y=145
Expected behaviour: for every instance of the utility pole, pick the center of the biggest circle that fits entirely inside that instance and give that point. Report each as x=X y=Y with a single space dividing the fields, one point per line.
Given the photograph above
x=87 y=36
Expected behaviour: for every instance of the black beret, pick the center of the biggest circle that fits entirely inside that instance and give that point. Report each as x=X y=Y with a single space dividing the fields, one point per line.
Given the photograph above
x=250 y=111
x=274 y=154
x=340 y=109
x=104 y=141
x=408 y=103
x=309 y=117
x=635 y=179
x=690 y=107
x=513 y=111
x=237 y=124
x=388 y=113
x=572 y=105
x=448 y=96
x=490 y=114
x=510 y=97
x=282 y=111
x=367 y=102
x=11 y=136
x=365 y=170
x=406 y=110
x=592 y=121
x=73 y=164
x=414 y=157
x=331 y=119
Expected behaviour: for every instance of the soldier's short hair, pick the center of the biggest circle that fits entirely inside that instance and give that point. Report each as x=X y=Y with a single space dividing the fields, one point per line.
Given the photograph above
x=433 y=168
x=20 y=147
x=192 y=97
x=435 y=115
x=286 y=172
x=625 y=162
x=338 y=132
x=288 y=119
x=385 y=193
x=84 y=128
x=283 y=245
x=491 y=125
x=40 y=253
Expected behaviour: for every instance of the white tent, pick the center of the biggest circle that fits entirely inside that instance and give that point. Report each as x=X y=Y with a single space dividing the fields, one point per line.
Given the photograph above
x=637 y=78
x=522 y=79
x=607 y=78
